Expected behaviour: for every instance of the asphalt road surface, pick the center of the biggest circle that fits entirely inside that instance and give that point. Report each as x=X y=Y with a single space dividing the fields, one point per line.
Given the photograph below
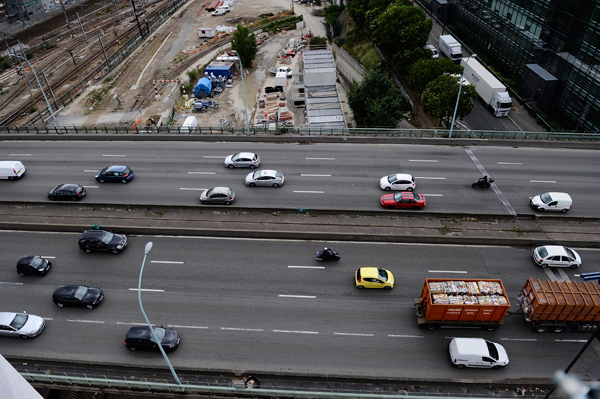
x=269 y=306
x=339 y=176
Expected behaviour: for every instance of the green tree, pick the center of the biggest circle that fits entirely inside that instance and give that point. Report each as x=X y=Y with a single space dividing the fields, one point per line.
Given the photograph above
x=4 y=64
x=400 y=29
x=427 y=70
x=331 y=15
x=439 y=98
x=244 y=42
x=376 y=101
x=358 y=10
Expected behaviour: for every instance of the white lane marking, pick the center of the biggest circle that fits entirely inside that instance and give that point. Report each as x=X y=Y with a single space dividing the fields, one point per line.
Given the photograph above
x=430 y=178
x=328 y=159
x=90 y=171
x=167 y=261
x=306 y=267
x=296 y=332
x=10 y=283
x=113 y=155
x=510 y=163
x=542 y=181
x=564 y=275
x=47 y=257
x=20 y=155
x=146 y=289
x=48 y=318
x=422 y=160
x=519 y=339
x=241 y=329
x=448 y=271
x=177 y=326
x=310 y=192
x=91 y=186
x=132 y=324
x=87 y=321
x=313 y=175
x=352 y=334
x=214 y=156
x=570 y=340
x=406 y=336
x=297 y=296
x=201 y=173
x=193 y=189
x=433 y=195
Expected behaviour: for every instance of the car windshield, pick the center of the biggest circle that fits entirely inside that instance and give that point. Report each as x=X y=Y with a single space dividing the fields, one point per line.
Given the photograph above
x=19 y=321
x=230 y=193
x=392 y=178
x=545 y=198
x=493 y=350
x=543 y=252
x=570 y=252
x=78 y=189
x=210 y=192
x=382 y=274
x=235 y=157
x=160 y=334
x=36 y=262
x=418 y=197
x=256 y=175
x=107 y=237
x=81 y=291
x=398 y=196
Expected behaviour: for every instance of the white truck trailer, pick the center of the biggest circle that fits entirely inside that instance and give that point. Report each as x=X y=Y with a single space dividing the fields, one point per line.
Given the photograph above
x=492 y=93
x=450 y=47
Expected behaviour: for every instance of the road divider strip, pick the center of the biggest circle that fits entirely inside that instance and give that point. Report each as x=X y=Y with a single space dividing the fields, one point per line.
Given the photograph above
x=192 y=189
x=10 y=283
x=510 y=163
x=570 y=340
x=519 y=339
x=242 y=329
x=542 y=181
x=296 y=332
x=422 y=160
x=405 y=336
x=201 y=173
x=354 y=334
x=87 y=321
x=167 y=261
x=298 y=296
x=323 y=159
x=306 y=267
x=178 y=326
x=430 y=178
x=310 y=192
x=448 y=271
x=313 y=175
x=146 y=289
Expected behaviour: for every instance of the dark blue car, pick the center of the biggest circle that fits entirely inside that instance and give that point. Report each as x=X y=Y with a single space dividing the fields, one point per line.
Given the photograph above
x=115 y=173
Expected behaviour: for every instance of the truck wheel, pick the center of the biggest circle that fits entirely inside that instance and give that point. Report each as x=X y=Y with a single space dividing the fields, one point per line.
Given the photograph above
x=558 y=330
x=490 y=328
x=541 y=329
x=432 y=327
x=460 y=366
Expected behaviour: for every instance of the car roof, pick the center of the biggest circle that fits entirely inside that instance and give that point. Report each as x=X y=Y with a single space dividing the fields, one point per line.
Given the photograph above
x=116 y=168
x=66 y=289
x=70 y=186
x=369 y=272
x=93 y=234
x=559 y=196
x=6 y=318
x=221 y=190
x=142 y=332
x=471 y=346
x=24 y=260
x=403 y=176
x=246 y=154
x=555 y=250
x=268 y=172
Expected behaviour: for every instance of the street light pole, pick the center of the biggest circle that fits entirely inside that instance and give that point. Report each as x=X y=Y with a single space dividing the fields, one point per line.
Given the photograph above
x=458 y=98
x=146 y=250
x=41 y=88
x=244 y=92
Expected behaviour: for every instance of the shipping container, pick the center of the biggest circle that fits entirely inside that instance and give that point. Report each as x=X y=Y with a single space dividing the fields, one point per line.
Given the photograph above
x=466 y=303
x=558 y=306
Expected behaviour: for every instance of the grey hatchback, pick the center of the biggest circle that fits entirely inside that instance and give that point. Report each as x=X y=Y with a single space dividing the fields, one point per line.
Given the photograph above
x=218 y=195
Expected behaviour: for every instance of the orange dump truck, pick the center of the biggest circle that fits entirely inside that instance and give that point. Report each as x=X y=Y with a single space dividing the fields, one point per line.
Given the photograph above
x=559 y=306
x=467 y=303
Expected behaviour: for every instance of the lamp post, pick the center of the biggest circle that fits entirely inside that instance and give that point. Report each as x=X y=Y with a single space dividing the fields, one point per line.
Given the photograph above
x=458 y=98
x=41 y=88
x=146 y=250
x=244 y=92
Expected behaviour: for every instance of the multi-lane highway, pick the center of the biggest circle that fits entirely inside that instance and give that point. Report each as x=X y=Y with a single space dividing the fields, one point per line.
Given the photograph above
x=340 y=176
x=268 y=305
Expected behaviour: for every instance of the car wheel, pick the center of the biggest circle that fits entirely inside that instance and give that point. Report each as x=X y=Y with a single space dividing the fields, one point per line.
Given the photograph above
x=387 y=287
x=60 y=305
x=544 y=265
x=252 y=166
x=409 y=189
x=360 y=287
x=252 y=184
x=388 y=189
x=88 y=251
x=23 y=336
x=205 y=202
x=541 y=209
x=573 y=266
x=115 y=251
x=496 y=367
x=89 y=307
x=227 y=202
x=51 y=198
x=124 y=181
x=21 y=274
x=558 y=330
x=460 y=366
x=275 y=185
x=564 y=210
x=541 y=329
x=230 y=166
x=101 y=180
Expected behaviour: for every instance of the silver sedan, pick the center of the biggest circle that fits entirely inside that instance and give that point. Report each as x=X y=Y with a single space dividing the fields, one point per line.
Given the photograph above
x=20 y=325
x=218 y=195
x=265 y=177
x=242 y=160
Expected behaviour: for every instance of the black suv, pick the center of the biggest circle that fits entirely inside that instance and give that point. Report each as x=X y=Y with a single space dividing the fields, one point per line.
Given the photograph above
x=100 y=240
x=140 y=338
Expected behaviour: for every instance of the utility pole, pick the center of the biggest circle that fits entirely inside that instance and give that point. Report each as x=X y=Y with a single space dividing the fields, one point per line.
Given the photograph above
x=116 y=36
x=70 y=52
x=22 y=68
x=117 y=8
x=136 y=18
x=51 y=92
x=80 y=25
x=65 y=12
x=105 y=57
x=143 y=7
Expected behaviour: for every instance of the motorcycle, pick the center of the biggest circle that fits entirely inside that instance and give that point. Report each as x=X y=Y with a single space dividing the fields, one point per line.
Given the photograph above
x=482 y=183
x=328 y=254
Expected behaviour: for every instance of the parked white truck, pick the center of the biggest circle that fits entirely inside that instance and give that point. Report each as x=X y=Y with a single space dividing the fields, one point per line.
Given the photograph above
x=492 y=93
x=450 y=47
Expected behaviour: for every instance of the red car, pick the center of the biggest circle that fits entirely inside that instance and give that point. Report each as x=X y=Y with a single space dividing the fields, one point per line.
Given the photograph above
x=403 y=199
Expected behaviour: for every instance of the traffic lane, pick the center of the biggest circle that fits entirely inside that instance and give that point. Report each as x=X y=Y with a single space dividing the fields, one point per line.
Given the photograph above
x=480 y=118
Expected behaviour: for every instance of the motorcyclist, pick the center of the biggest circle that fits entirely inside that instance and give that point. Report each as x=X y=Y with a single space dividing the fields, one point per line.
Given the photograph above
x=327 y=251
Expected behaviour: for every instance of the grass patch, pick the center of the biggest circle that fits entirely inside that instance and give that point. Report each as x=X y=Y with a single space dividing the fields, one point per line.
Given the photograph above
x=358 y=45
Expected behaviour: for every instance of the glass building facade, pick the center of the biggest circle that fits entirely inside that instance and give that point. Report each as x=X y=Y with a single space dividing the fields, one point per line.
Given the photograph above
x=562 y=36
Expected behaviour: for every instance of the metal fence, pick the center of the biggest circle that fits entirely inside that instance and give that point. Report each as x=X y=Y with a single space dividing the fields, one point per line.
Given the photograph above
x=297 y=131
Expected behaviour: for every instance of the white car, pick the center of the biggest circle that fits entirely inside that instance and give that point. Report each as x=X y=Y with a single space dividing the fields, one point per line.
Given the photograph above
x=218 y=12
x=556 y=256
x=397 y=181
x=477 y=352
x=242 y=160
x=20 y=325
x=265 y=177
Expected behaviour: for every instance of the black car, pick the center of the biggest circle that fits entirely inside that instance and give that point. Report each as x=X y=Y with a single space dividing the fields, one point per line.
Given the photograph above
x=101 y=240
x=33 y=266
x=77 y=295
x=67 y=191
x=271 y=89
x=140 y=338
x=115 y=173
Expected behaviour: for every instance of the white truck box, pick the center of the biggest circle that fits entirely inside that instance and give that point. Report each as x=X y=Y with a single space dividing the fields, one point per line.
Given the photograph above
x=450 y=47
x=206 y=32
x=11 y=170
x=281 y=79
x=491 y=91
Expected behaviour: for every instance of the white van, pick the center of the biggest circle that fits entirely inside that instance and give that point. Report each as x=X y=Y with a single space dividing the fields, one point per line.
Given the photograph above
x=560 y=202
x=11 y=170
x=190 y=123
x=224 y=8
x=477 y=352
